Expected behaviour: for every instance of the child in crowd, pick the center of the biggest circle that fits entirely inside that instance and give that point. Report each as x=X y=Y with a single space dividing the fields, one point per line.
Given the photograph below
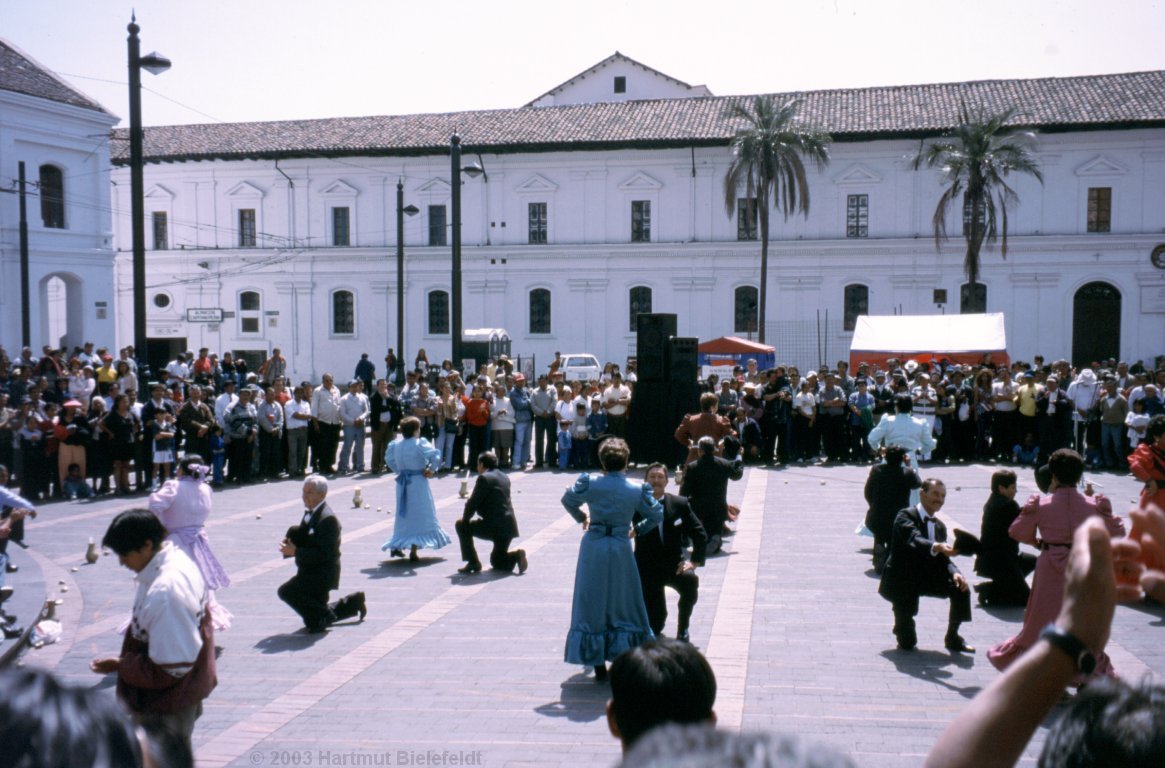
x=75 y=486
x=1028 y=453
x=161 y=436
x=1137 y=421
x=218 y=455
x=580 y=438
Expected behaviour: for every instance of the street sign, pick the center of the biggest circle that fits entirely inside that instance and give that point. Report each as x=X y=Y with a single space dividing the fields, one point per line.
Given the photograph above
x=207 y=315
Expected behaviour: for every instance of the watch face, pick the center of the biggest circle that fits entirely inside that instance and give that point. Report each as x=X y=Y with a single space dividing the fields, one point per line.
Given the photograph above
x=1158 y=256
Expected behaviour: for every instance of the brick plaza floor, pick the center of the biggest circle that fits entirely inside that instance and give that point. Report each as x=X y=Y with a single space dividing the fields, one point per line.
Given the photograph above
x=472 y=667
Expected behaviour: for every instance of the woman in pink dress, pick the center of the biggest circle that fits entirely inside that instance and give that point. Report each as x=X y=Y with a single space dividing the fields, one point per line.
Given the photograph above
x=183 y=505
x=1056 y=516
x=1147 y=463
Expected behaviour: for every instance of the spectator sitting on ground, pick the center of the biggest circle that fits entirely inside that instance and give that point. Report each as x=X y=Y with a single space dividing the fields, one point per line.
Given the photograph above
x=662 y=681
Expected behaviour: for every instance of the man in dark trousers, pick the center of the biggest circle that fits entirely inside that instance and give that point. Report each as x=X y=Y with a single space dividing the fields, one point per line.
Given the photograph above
x=315 y=545
x=706 y=488
x=999 y=558
x=490 y=501
x=659 y=554
x=888 y=490
x=920 y=564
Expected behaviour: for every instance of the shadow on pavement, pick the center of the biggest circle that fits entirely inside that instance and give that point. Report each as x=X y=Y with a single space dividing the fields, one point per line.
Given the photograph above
x=931 y=666
x=582 y=700
x=1151 y=607
x=400 y=567
x=468 y=580
x=296 y=641
x=1010 y=614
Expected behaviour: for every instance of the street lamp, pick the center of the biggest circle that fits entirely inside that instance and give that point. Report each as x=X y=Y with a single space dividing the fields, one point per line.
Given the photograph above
x=472 y=171
x=401 y=210
x=155 y=64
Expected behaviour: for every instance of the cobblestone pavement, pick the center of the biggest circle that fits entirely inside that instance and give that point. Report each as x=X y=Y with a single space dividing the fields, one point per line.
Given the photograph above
x=453 y=670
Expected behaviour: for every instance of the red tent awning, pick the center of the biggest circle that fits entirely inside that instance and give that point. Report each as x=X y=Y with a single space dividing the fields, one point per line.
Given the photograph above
x=734 y=345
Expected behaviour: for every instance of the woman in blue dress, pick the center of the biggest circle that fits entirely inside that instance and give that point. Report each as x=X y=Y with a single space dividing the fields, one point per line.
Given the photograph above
x=414 y=460
x=608 y=615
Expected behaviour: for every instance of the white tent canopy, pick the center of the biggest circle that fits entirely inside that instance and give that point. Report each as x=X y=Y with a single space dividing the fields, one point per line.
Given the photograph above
x=935 y=334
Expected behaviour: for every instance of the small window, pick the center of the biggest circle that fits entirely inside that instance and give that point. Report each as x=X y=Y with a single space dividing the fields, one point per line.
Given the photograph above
x=857 y=215
x=641 y=221
x=537 y=223
x=247 y=231
x=249 y=301
x=438 y=312
x=52 y=197
x=437 y=225
x=639 y=303
x=620 y=84
x=746 y=218
x=539 y=311
x=972 y=302
x=1100 y=209
x=162 y=300
x=745 y=302
x=967 y=216
x=343 y=313
x=857 y=302
x=341 y=226
x=161 y=231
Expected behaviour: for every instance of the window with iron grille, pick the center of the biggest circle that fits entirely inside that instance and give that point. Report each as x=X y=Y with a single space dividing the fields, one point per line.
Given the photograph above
x=1100 y=209
x=857 y=215
x=639 y=302
x=641 y=221
x=746 y=218
x=52 y=197
x=857 y=302
x=341 y=229
x=250 y=307
x=967 y=216
x=247 y=230
x=161 y=235
x=438 y=312
x=437 y=225
x=745 y=303
x=537 y=223
x=971 y=302
x=343 y=313
x=540 y=311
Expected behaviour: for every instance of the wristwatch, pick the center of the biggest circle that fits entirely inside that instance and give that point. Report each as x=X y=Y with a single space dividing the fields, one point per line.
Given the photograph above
x=1071 y=645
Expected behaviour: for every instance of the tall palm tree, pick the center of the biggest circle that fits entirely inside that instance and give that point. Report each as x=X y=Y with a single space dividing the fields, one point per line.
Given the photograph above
x=974 y=159
x=768 y=151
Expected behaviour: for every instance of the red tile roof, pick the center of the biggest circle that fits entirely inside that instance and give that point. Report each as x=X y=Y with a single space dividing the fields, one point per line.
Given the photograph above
x=21 y=74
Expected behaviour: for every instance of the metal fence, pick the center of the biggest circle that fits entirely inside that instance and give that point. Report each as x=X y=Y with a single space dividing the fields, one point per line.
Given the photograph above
x=809 y=344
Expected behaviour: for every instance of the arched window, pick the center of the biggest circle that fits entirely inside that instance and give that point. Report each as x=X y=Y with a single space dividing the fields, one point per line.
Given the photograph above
x=250 y=310
x=52 y=197
x=857 y=302
x=539 y=311
x=343 y=313
x=639 y=302
x=438 y=312
x=971 y=303
x=745 y=303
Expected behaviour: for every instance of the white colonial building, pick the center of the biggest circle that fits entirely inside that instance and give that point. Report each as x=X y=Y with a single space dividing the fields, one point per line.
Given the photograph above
x=604 y=197
x=62 y=138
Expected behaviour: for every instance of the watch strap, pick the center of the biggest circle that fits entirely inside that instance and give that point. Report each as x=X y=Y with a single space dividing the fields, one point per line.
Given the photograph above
x=1070 y=644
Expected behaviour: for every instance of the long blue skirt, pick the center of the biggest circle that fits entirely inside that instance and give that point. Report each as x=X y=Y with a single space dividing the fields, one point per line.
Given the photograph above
x=608 y=615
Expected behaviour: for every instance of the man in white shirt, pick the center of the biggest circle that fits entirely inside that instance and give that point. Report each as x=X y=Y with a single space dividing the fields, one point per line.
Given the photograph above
x=925 y=401
x=1083 y=392
x=297 y=419
x=616 y=399
x=1005 y=424
x=354 y=410
x=325 y=408
x=224 y=402
x=177 y=372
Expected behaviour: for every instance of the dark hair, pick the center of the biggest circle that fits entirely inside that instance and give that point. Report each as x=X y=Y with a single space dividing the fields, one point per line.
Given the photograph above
x=894 y=455
x=1044 y=478
x=1003 y=478
x=188 y=461
x=488 y=459
x=1156 y=427
x=410 y=426
x=613 y=454
x=661 y=681
x=703 y=746
x=709 y=401
x=655 y=465
x=1111 y=723
x=1066 y=466
x=44 y=724
x=903 y=404
x=131 y=529
x=931 y=482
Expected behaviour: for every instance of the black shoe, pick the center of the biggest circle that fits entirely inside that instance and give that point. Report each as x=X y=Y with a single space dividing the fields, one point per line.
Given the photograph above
x=397 y=553
x=12 y=568
x=682 y=636
x=414 y=557
x=907 y=646
x=12 y=631
x=956 y=644
x=361 y=608
x=5 y=593
x=523 y=563
x=470 y=568
x=600 y=673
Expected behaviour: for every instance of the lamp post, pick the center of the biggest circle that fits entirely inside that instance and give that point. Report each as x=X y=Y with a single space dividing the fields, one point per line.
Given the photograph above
x=455 y=171
x=155 y=64
x=401 y=210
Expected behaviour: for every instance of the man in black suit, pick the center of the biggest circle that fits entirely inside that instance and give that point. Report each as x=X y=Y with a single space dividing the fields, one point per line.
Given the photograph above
x=490 y=501
x=999 y=558
x=920 y=564
x=706 y=488
x=315 y=545
x=659 y=554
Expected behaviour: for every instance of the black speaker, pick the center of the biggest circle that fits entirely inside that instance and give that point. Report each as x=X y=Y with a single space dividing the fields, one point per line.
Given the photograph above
x=652 y=334
x=681 y=359
x=651 y=424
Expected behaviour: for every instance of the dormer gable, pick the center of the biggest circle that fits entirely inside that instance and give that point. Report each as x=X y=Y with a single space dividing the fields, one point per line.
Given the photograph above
x=1101 y=166
x=640 y=182
x=618 y=78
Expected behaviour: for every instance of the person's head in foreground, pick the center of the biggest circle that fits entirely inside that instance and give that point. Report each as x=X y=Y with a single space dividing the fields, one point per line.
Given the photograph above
x=661 y=681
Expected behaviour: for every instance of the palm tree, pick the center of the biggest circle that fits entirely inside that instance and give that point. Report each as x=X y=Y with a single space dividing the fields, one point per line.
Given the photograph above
x=767 y=160
x=974 y=159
